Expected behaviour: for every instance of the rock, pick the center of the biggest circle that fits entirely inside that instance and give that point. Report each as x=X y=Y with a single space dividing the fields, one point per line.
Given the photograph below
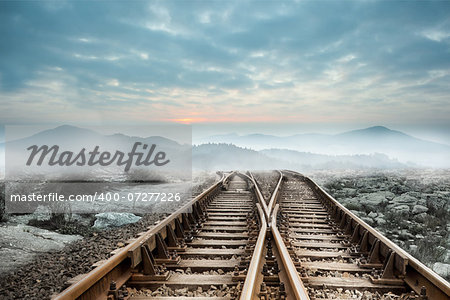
x=380 y=221
x=21 y=243
x=373 y=214
x=420 y=217
x=352 y=203
x=358 y=213
x=442 y=269
x=349 y=192
x=404 y=199
x=106 y=220
x=418 y=209
x=373 y=201
x=405 y=235
x=401 y=209
x=367 y=220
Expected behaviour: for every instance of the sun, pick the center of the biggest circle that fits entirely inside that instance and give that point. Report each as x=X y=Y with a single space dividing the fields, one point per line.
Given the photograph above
x=188 y=120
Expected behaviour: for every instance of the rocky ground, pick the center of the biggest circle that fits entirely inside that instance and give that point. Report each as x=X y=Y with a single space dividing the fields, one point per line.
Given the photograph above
x=267 y=181
x=411 y=207
x=37 y=262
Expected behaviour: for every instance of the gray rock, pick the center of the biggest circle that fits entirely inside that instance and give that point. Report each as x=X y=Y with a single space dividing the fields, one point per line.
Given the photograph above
x=418 y=209
x=373 y=201
x=358 y=213
x=21 y=243
x=373 y=214
x=400 y=208
x=349 y=192
x=442 y=269
x=352 y=203
x=405 y=235
x=420 y=217
x=367 y=220
x=106 y=220
x=404 y=199
x=380 y=221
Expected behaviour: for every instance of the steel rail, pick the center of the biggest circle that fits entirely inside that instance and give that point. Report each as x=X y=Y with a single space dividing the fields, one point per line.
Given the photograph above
x=259 y=196
x=295 y=281
x=417 y=274
x=249 y=287
x=77 y=289
x=274 y=196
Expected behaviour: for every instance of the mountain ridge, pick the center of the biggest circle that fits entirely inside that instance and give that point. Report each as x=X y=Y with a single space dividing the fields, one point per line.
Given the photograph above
x=375 y=139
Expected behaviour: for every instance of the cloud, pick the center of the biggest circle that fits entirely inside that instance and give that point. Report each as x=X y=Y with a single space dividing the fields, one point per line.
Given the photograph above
x=229 y=60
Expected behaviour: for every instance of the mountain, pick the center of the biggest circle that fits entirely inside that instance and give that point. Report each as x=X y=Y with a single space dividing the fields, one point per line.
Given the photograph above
x=68 y=135
x=228 y=157
x=377 y=139
x=72 y=140
x=374 y=147
x=321 y=161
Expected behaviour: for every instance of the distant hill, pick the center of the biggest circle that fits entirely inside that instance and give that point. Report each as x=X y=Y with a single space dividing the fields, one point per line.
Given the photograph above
x=321 y=161
x=69 y=135
x=374 y=147
x=372 y=140
x=74 y=139
x=228 y=156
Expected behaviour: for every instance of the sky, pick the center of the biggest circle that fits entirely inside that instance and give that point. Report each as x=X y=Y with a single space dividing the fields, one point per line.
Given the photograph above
x=281 y=67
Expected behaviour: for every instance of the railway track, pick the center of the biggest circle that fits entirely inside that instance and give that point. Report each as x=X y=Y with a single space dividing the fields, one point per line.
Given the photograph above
x=234 y=241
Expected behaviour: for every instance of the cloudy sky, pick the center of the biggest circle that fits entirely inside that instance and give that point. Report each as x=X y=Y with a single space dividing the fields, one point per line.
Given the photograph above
x=253 y=66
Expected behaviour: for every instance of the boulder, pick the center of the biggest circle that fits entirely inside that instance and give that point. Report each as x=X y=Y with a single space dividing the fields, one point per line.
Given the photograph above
x=349 y=192
x=442 y=269
x=373 y=214
x=405 y=235
x=367 y=220
x=420 y=217
x=401 y=209
x=20 y=244
x=373 y=201
x=404 y=199
x=418 y=209
x=106 y=220
x=380 y=221
x=352 y=203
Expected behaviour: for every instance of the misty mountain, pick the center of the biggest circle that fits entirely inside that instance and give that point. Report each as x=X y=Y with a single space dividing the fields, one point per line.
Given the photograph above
x=372 y=147
x=228 y=157
x=74 y=139
x=68 y=135
x=321 y=161
x=378 y=139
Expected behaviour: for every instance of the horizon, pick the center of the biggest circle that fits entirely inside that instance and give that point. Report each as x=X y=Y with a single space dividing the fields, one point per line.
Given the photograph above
x=25 y=131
